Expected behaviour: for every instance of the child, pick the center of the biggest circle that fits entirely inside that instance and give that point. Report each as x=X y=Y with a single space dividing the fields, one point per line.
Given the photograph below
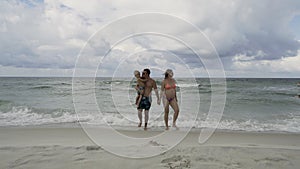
x=139 y=87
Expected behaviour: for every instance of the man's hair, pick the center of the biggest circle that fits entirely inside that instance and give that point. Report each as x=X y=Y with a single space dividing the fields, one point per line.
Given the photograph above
x=148 y=71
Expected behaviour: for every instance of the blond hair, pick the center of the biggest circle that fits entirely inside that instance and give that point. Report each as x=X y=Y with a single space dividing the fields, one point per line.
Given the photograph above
x=136 y=72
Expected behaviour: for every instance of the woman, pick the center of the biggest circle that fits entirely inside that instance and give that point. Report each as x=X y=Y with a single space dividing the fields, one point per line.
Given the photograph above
x=168 y=94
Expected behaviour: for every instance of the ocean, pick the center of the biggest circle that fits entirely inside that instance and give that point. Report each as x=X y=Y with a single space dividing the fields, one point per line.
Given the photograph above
x=255 y=105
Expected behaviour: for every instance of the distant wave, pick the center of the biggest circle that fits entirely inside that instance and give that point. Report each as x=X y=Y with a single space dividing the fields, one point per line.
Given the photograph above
x=63 y=84
x=41 y=87
x=4 y=102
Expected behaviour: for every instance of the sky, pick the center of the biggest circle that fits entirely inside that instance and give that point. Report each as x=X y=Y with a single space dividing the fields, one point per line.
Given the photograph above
x=257 y=38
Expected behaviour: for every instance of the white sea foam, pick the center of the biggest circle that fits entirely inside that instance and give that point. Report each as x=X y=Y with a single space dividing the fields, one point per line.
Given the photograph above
x=23 y=116
x=187 y=85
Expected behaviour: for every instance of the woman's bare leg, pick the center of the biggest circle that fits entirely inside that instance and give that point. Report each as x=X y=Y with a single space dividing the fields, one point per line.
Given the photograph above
x=167 y=115
x=175 y=107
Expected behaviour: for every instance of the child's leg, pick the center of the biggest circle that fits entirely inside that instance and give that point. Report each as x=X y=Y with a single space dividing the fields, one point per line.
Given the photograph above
x=139 y=97
x=139 y=100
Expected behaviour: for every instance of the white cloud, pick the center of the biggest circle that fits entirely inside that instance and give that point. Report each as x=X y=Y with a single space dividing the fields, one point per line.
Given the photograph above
x=249 y=35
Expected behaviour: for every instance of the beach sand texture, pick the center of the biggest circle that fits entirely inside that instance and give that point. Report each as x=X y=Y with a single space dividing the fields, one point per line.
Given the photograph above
x=56 y=148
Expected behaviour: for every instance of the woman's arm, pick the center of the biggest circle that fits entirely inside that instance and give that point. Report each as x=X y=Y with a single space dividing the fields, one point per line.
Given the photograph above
x=162 y=89
x=175 y=91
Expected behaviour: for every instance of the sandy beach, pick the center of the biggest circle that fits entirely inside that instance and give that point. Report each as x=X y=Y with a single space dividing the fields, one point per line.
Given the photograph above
x=77 y=78
x=55 y=148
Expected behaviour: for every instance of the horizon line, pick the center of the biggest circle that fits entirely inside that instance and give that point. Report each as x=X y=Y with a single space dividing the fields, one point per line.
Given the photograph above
x=151 y=77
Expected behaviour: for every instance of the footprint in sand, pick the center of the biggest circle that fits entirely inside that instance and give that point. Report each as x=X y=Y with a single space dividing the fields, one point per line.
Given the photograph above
x=273 y=161
x=91 y=148
x=177 y=162
x=155 y=143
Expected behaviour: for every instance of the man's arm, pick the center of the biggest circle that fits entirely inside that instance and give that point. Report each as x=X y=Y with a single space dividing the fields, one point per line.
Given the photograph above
x=143 y=80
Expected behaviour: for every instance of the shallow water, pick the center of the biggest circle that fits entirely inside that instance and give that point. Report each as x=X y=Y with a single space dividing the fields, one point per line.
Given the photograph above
x=251 y=104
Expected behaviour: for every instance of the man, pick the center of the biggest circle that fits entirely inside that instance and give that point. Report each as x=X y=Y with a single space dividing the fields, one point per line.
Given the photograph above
x=146 y=100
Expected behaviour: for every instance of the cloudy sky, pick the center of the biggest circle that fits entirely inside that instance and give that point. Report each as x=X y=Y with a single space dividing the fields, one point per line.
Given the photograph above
x=254 y=38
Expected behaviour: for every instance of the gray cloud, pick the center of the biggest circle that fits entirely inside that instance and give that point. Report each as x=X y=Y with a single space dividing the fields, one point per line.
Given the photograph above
x=50 y=34
x=39 y=36
x=253 y=28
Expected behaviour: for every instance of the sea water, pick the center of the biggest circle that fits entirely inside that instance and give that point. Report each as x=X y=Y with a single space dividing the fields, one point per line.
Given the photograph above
x=268 y=105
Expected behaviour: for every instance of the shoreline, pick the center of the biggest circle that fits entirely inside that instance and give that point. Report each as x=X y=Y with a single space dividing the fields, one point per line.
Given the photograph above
x=135 y=128
x=44 y=135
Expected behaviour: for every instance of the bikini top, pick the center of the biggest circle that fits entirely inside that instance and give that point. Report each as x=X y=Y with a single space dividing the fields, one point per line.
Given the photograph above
x=168 y=86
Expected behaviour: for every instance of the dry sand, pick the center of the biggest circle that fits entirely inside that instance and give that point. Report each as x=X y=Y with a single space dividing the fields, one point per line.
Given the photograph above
x=70 y=148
